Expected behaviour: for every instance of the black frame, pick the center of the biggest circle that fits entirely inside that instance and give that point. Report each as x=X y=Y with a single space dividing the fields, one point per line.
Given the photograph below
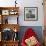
x=36 y=13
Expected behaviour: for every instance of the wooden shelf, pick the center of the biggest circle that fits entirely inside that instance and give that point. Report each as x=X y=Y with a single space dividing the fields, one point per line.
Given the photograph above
x=4 y=13
x=10 y=43
x=3 y=8
x=10 y=26
x=9 y=9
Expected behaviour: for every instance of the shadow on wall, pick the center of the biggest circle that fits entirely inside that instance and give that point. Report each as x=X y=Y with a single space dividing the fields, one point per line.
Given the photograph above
x=37 y=29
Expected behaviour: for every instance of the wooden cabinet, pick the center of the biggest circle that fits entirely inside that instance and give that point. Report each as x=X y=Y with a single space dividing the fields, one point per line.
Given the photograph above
x=7 y=25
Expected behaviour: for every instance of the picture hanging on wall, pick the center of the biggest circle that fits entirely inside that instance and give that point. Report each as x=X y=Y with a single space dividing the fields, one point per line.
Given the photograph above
x=30 y=13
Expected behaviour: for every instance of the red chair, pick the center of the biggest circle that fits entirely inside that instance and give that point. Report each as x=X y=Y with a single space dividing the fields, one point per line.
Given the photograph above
x=29 y=33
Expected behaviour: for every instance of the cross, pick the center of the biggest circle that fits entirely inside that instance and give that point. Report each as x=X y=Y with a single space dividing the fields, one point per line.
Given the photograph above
x=15 y=3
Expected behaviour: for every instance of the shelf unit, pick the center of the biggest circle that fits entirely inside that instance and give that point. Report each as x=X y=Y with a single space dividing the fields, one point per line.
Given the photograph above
x=5 y=13
x=8 y=11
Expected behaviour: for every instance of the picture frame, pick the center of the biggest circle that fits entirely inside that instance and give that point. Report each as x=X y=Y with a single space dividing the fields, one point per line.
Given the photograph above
x=5 y=12
x=30 y=13
x=13 y=12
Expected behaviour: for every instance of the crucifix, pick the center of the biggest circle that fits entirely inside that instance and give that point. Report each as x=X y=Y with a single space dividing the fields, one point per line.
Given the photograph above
x=15 y=3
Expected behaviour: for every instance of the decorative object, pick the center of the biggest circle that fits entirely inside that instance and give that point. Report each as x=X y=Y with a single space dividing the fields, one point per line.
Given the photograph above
x=5 y=12
x=13 y=12
x=15 y=3
x=6 y=21
x=7 y=34
x=15 y=37
x=15 y=30
x=31 y=41
x=30 y=13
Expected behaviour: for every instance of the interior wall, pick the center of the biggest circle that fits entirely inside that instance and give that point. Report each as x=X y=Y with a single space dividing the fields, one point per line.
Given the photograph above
x=26 y=3
x=34 y=3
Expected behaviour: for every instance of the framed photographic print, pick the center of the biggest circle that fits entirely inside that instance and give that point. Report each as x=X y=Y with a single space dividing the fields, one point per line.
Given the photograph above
x=13 y=12
x=30 y=13
x=5 y=12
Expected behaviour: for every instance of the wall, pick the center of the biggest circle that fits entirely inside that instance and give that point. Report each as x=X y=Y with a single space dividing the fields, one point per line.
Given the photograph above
x=34 y=3
x=26 y=3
